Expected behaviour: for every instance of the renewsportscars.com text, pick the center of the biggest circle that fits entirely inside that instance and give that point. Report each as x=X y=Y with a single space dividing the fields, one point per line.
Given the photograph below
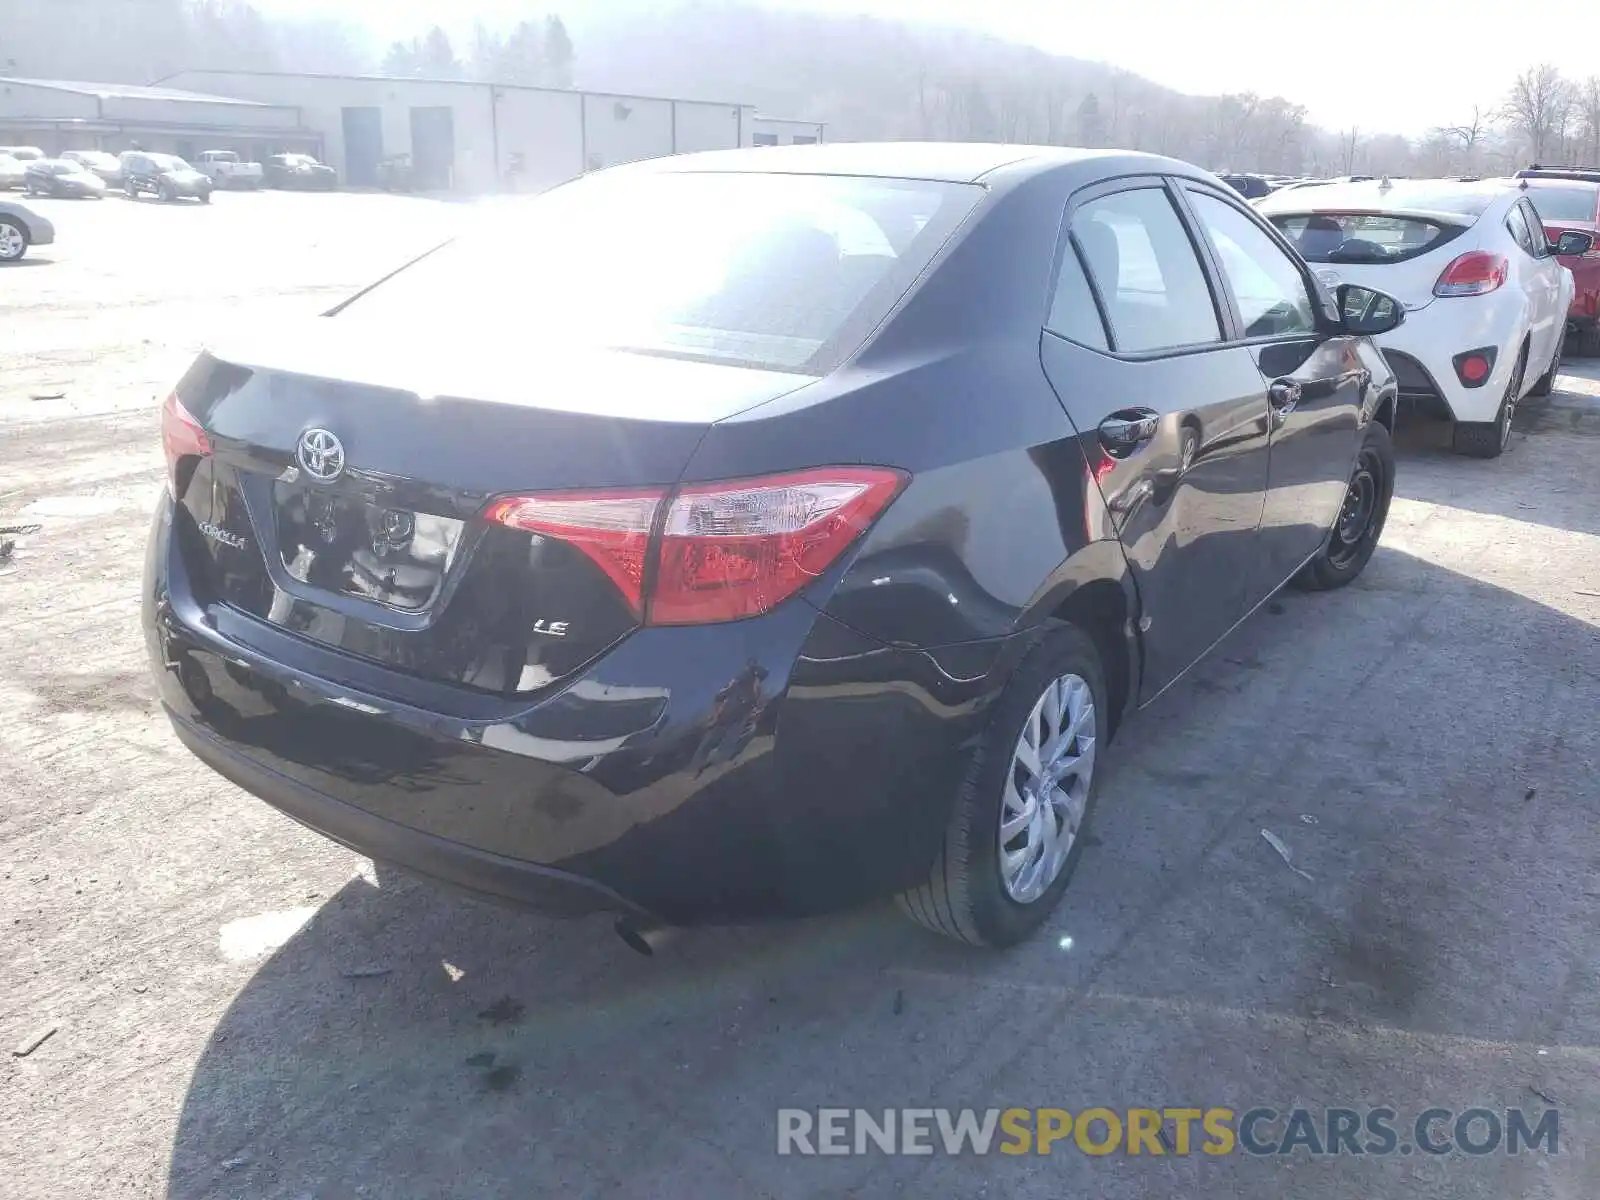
x=1261 y=1131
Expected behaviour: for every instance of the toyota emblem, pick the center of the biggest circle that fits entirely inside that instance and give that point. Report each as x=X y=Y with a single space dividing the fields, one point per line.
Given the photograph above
x=321 y=455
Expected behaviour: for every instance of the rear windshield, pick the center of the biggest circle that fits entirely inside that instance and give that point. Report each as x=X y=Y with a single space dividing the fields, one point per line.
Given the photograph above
x=787 y=272
x=1363 y=237
x=1566 y=202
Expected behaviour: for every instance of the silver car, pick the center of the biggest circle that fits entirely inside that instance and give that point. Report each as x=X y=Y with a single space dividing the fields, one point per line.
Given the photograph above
x=21 y=227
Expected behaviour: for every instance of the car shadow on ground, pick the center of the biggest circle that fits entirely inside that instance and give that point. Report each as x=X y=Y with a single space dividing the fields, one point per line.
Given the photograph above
x=1509 y=486
x=407 y=1041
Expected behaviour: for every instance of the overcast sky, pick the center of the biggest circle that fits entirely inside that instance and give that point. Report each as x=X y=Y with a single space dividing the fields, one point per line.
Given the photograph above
x=1382 y=65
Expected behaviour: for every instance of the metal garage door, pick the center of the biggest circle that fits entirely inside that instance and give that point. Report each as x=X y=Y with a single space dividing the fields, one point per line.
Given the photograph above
x=363 y=146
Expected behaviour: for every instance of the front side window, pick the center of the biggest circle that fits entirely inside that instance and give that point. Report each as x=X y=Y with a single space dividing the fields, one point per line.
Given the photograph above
x=1267 y=285
x=1146 y=270
x=1517 y=224
x=1536 y=234
x=763 y=270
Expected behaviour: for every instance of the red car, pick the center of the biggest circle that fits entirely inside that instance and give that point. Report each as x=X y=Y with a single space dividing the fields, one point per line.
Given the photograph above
x=1569 y=198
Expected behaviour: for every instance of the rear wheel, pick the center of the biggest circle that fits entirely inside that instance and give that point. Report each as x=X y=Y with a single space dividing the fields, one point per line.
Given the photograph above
x=1547 y=381
x=1360 y=523
x=1488 y=439
x=1020 y=817
x=131 y=192
x=167 y=194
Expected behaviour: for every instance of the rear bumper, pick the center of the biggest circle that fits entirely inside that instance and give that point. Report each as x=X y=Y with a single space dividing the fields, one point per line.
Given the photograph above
x=779 y=766
x=478 y=871
x=1421 y=352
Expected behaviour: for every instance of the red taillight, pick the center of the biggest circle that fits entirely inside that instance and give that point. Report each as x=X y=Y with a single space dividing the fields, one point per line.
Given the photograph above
x=1475 y=273
x=731 y=550
x=181 y=436
x=1474 y=369
x=725 y=550
x=612 y=528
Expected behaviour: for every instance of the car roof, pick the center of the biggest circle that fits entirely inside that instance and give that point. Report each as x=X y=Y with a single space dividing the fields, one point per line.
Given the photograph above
x=952 y=162
x=1436 y=196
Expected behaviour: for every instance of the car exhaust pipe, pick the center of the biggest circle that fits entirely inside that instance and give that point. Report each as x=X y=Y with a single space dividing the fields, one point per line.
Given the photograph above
x=643 y=936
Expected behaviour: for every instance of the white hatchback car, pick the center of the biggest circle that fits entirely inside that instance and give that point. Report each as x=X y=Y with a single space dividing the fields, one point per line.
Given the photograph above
x=1486 y=301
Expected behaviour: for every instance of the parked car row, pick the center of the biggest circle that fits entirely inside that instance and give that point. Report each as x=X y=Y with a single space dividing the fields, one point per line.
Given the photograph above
x=89 y=173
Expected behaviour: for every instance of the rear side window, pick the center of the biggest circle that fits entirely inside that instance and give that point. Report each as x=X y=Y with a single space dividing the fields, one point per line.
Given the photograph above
x=1146 y=270
x=1334 y=237
x=1073 y=313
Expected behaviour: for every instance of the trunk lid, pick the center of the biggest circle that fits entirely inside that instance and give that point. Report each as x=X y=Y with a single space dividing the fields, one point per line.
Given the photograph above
x=388 y=557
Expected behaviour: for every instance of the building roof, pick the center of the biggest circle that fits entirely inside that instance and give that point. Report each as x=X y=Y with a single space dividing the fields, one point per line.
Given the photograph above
x=126 y=91
x=598 y=93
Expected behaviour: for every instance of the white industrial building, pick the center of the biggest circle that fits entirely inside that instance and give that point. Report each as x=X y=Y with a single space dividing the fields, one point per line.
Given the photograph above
x=460 y=135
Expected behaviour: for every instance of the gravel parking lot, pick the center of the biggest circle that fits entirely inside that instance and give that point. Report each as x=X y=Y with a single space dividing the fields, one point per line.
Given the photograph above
x=240 y=1008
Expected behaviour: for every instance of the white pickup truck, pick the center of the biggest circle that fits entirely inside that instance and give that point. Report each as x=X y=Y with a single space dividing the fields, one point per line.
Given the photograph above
x=227 y=170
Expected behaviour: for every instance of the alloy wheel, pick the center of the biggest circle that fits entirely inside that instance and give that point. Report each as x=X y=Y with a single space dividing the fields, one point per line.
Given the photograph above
x=12 y=243
x=1509 y=405
x=1047 y=788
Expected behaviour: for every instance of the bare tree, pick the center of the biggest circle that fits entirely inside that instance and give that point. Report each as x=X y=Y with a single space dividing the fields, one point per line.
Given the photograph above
x=1469 y=136
x=1586 y=100
x=1537 y=107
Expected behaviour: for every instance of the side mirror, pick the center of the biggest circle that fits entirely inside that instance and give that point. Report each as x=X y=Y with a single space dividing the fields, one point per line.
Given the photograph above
x=1366 y=310
x=1572 y=244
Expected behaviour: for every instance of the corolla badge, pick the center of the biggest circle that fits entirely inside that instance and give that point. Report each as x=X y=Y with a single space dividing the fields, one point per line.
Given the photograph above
x=217 y=534
x=320 y=455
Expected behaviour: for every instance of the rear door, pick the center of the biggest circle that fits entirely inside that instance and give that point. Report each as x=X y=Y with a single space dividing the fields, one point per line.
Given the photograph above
x=1173 y=417
x=1315 y=384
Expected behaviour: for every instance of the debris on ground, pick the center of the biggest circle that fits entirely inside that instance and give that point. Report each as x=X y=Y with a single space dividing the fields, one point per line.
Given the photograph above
x=32 y=1042
x=233 y=1164
x=1307 y=819
x=504 y=1011
x=1284 y=853
x=367 y=972
x=899 y=1001
x=1530 y=794
x=484 y=1059
x=47 y=395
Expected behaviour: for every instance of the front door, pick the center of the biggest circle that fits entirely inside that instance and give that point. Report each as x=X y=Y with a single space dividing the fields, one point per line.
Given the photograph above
x=1315 y=386
x=1541 y=271
x=1175 y=415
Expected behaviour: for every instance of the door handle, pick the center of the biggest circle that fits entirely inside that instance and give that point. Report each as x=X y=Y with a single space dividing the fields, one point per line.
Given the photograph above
x=1124 y=432
x=1283 y=395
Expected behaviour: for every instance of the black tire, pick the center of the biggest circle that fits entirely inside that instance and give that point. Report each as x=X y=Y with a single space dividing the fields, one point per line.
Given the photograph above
x=167 y=194
x=1488 y=439
x=131 y=192
x=1588 y=341
x=964 y=897
x=1547 y=381
x=205 y=197
x=1361 y=517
